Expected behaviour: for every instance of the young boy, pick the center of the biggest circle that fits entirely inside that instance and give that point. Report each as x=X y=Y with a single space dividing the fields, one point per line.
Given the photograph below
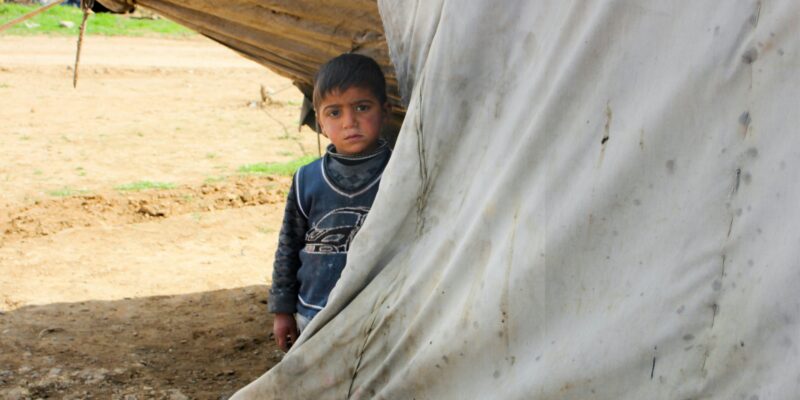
x=330 y=197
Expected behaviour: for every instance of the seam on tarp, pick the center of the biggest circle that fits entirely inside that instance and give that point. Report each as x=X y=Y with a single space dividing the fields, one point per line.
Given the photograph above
x=378 y=304
x=402 y=63
x=717 y=284
x=422 y=197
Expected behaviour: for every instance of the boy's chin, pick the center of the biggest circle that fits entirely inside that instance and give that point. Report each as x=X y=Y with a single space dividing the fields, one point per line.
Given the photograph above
x=352 y=149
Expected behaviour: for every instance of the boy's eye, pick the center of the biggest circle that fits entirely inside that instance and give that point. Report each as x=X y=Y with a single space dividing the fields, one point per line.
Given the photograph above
x=334 y=113
x=362 y=107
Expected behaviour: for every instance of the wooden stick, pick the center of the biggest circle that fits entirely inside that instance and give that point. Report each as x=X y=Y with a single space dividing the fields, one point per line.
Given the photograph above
x=319 y=144
x=30 y=14
x=86 y=6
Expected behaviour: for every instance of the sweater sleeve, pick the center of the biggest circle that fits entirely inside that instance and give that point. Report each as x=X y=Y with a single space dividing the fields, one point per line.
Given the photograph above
x=285 y=286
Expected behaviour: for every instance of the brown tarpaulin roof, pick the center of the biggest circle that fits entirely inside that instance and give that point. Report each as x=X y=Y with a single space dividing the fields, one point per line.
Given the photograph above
x=291 y=37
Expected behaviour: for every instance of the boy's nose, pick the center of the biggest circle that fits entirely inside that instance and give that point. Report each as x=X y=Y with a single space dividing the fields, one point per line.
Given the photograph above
x=349 y=119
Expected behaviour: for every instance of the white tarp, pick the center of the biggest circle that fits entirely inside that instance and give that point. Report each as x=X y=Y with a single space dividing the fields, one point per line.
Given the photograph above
x=588 y=200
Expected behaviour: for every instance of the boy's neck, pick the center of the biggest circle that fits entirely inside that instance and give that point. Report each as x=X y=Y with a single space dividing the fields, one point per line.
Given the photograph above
x=372 y=149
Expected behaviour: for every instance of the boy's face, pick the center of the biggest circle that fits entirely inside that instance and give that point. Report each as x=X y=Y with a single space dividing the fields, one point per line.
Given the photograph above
x=352 y=119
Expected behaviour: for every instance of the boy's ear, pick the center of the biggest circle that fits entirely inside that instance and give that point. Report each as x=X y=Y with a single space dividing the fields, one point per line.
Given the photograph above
x=317 y=124
x=387 y=109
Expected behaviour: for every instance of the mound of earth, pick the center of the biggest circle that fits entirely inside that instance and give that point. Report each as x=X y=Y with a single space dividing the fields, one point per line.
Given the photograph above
x=198 y=346
x=49 y=216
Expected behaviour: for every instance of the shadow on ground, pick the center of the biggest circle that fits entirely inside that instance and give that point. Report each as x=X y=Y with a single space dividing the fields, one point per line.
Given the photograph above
x=198 y=346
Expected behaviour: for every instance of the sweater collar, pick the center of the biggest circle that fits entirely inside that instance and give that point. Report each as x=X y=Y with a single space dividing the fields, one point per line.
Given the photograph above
x=382 y=147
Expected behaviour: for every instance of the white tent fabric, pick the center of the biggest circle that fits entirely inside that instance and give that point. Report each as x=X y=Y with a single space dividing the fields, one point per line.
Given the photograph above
x=589 y=199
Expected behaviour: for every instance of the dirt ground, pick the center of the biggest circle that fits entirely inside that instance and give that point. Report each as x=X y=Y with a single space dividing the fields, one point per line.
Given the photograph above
x=107 y=293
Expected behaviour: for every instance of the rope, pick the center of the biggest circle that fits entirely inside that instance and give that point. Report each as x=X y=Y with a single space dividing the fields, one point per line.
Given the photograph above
x=30 y=15
x=319 y=144
x=86 y=6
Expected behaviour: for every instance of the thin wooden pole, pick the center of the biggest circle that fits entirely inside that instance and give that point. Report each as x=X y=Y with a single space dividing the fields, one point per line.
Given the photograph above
x=30 y=14
x=86 y=6
x=319 y=145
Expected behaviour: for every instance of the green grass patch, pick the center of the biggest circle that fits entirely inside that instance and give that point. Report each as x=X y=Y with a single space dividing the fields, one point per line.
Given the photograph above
x=214 y=179
x=144 y=185
x=106 y=24
x=285 y=169
x=66 y=192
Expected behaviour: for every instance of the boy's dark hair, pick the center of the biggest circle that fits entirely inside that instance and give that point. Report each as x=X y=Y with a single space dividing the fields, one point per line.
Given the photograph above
x=346 y=71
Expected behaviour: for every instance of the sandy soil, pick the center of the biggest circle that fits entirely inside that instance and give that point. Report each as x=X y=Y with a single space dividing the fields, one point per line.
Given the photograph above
x=107 y=293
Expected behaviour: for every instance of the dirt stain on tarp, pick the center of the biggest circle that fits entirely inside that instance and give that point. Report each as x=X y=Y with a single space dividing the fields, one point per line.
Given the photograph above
x=744 y=122
x=756 y=15
x=641 y=139
x=750 y=56
x=481 y=253
x=505 y=294
x=670 y=165
x=606 y=134
x=653 y=366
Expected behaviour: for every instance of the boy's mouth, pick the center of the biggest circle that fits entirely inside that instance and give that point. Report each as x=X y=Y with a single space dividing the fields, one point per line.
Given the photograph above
x=353 y=136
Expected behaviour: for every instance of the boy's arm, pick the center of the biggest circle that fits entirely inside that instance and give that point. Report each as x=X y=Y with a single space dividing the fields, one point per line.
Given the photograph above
x=285 y=287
